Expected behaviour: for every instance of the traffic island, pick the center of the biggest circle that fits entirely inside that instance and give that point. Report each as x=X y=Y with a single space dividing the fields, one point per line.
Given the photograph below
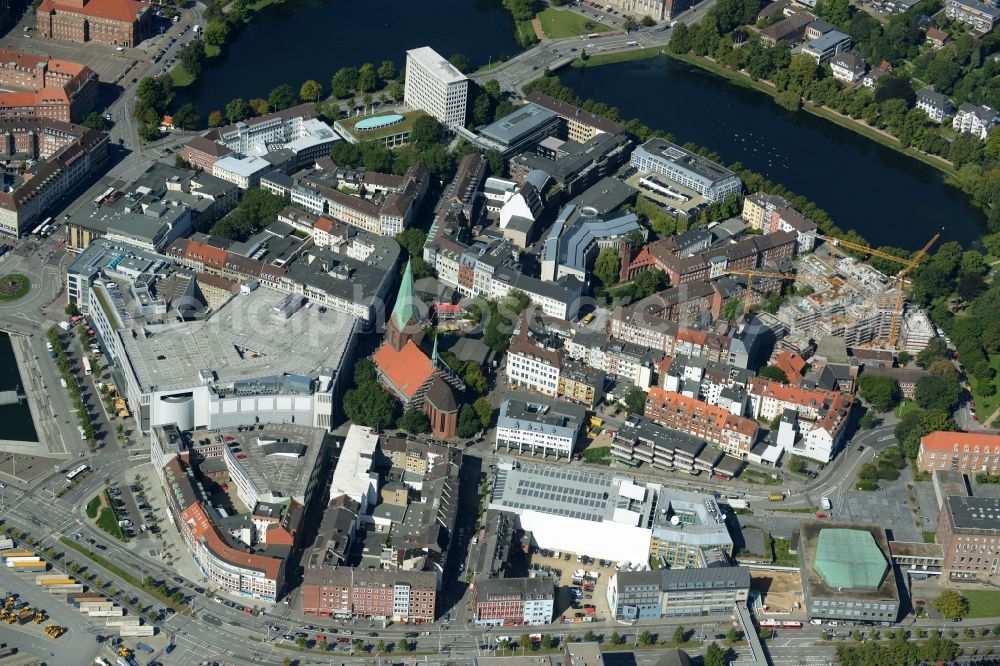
x=14 y=286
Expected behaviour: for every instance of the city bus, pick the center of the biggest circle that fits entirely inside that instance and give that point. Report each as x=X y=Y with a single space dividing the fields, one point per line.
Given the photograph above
x=86 y=367
x=37 y=231
x=78 y=471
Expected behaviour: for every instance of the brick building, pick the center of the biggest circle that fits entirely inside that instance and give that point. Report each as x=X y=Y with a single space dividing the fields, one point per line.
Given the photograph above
x=404 y=596
x=118 y=22
x=968 y=531
x=966 y=452
x=732 y=433
x=35 y=86
x=513 y=601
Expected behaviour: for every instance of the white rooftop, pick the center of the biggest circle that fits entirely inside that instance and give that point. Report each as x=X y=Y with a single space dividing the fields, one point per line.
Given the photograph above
x=242 y=340
x=351 y=477
x=436 y=64
x=242 y=166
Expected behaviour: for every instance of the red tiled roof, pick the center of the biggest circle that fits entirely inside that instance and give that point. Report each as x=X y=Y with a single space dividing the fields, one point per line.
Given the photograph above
x=947 y=441
x=126 y=11
x=716 y=416
x=791 y=364
x=202 y=528
x=408 y=369
x=205 y=254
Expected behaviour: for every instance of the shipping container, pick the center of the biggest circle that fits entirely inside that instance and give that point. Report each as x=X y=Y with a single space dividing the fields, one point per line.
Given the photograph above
x=53 y=579
x=111 y=612
x=65 y=589
x=137 y=630
x=122 y=621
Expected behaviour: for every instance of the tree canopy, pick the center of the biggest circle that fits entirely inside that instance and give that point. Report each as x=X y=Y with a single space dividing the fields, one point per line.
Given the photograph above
x=880 y=391
x=257 y=209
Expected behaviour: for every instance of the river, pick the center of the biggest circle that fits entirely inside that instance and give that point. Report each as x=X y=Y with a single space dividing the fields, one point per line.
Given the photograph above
x=889 y=198
x=302 y=39
x=15 y=420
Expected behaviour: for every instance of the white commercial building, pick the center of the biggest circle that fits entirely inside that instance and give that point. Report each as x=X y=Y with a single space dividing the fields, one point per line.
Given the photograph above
x=434 y=85
x=243 y=172
x=353 y=477
x=569 y=509
x=261 y=358
x=683 y=167
x=533 y=424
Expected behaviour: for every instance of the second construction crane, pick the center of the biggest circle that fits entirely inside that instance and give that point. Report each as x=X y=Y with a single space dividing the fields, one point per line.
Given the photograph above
x=908 y=266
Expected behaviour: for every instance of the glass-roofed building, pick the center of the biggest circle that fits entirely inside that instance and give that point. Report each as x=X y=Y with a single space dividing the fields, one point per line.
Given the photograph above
x=847 y=572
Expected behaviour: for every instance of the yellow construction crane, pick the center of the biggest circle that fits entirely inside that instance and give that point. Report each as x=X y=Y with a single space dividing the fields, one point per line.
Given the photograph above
x=908 y=266
x=750 y=275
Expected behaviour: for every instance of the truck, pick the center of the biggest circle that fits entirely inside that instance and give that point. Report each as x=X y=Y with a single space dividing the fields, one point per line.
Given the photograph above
x=737 y=503
x=825 y=503
x=145 y=648
x=64 y=325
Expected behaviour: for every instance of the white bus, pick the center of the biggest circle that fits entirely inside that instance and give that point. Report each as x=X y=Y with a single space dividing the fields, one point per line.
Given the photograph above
x=37 y=231
x=86 y=367
x=79 y=470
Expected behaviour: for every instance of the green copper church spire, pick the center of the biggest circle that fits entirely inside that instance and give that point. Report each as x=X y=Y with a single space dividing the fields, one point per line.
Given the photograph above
x=406 y=300
x=434 y=353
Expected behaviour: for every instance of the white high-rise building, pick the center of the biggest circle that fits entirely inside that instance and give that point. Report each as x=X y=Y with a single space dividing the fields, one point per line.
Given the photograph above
x=434 y=85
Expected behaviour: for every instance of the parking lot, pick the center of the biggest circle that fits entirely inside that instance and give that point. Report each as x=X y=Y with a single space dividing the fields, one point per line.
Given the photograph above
x=691 y=204
x=564 y=567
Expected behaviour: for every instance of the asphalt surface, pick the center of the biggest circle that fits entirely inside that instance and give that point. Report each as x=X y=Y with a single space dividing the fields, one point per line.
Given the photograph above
x=555 y=53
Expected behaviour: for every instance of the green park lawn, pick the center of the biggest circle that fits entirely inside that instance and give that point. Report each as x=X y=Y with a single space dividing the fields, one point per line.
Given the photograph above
x=108 y=521
x=983 y=603
x=986 y=404
x=558 y=23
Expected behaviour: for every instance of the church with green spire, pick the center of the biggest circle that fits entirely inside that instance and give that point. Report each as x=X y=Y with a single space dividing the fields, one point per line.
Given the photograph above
x=418 y=379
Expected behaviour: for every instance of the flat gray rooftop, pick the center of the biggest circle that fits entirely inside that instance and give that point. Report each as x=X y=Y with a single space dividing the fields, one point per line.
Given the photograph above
x=283 y=468
x=243 y=340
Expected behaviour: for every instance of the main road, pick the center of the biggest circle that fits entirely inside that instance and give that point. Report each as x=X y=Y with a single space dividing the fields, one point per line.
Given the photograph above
x=555 y=53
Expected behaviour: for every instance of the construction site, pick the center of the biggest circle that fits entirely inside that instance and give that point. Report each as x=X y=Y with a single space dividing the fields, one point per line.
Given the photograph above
x=851 y=300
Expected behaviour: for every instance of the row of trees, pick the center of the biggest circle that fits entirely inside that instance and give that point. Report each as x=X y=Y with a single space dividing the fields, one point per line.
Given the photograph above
x=962 y=71
x=752 y=181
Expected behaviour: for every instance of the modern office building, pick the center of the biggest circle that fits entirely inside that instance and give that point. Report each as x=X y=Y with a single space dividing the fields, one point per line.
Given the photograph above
x=513 y=601
x=827 y=45
x=847 y=572
x=690 y=170
x=436 y=86
x=579 y=125
x=534 y=424
x=642 y=595
x=968 y=531
x=521 y=129
x=965 y=452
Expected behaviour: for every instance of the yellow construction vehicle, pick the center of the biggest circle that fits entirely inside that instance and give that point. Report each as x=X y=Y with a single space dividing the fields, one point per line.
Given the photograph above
x=125 y=652
x=54 y=631
x=908 y=266
x=10 y=601
x=40 y=617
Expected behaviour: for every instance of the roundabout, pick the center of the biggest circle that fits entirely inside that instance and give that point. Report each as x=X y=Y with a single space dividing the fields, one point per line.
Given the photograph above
x=14 y=286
